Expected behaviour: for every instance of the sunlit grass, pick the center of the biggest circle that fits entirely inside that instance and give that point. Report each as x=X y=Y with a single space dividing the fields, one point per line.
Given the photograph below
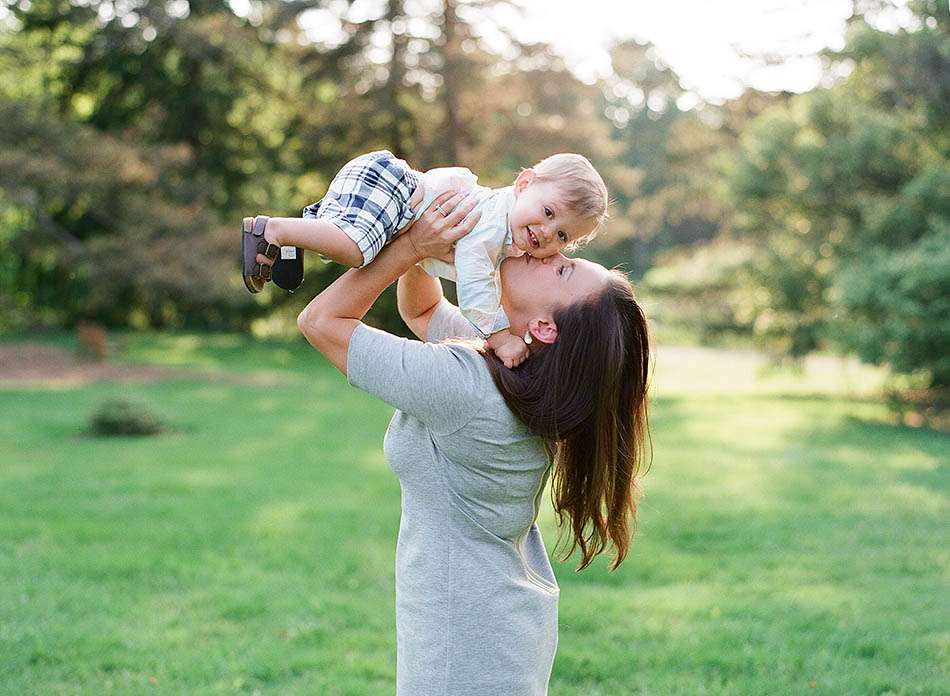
x=790 y=539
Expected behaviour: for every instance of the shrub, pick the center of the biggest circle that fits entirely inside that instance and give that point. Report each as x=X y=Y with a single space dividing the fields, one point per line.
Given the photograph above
x=895 y=308
x=124 y=416
x=703 y=289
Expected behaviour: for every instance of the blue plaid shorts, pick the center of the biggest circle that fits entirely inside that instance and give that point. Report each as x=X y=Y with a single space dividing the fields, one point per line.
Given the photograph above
x=369 y=200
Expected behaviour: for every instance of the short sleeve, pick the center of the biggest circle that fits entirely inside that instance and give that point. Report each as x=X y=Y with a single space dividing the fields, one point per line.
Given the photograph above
x=436 y=383
x=447 y=321
x=438 y=268
x=441 y=179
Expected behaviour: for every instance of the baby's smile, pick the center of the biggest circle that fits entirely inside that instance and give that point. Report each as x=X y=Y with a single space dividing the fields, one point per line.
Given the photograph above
x=532 y=237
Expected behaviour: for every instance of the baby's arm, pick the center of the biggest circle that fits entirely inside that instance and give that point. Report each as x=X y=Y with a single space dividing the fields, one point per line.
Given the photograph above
x=509 y=348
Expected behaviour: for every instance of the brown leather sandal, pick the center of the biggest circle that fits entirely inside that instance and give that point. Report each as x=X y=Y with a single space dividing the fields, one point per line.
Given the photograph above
x=253 y=243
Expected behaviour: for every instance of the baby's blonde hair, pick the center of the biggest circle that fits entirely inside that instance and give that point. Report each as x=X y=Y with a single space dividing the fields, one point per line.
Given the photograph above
x=583 y=189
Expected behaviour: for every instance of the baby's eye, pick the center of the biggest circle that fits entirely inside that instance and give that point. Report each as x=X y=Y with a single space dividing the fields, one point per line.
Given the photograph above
x=562 y=235
x=560 y=271
x=548 y=211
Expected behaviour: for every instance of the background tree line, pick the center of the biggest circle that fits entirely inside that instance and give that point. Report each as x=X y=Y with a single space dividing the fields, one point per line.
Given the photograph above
x=137 y=133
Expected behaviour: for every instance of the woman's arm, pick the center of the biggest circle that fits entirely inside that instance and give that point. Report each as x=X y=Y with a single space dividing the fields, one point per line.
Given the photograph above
x=417 y=295
x=332 y=316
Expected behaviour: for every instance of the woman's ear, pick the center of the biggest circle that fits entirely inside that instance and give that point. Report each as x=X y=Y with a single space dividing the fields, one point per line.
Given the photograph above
x=543 y=330
x=524 y=178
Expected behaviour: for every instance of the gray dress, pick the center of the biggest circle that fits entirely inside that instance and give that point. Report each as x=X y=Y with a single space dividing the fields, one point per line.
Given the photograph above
x=476 y=599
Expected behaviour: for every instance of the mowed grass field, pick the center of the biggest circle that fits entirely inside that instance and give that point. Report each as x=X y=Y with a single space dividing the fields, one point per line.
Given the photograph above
x=791 y=540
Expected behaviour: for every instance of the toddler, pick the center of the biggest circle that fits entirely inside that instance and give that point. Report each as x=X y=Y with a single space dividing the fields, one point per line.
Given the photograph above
x=557 y=203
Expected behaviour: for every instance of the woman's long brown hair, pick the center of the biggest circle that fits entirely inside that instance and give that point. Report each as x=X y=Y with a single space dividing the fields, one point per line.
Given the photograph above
x=586 y=395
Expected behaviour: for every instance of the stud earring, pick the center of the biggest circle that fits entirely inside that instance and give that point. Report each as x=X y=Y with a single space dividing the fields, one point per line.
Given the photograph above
x=528 y=338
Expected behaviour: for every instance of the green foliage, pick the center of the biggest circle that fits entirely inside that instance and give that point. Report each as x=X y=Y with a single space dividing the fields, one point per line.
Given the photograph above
x=649 y=131
x=701 y=289
x=666 y=186
x=128 y=142
x=99 y=228
x=896 y=307
x=146 y=133
x=170 y=75
x=137 y=136
x=125 y=416
x=842 y=190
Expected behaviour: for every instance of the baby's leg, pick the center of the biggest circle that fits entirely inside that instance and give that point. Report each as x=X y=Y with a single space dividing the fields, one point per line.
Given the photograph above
x=316 y=235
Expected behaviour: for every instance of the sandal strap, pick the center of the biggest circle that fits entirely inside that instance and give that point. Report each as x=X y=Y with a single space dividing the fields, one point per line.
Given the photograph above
x=260 y=222
x=268 y=250
x=263 y=271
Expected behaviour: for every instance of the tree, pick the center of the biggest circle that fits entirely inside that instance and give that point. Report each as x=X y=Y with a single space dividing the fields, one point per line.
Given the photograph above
x=897 y=306
x=99 y=229
x=127 y=137
x=172 y=73
x=849 y=184
x=669 y=193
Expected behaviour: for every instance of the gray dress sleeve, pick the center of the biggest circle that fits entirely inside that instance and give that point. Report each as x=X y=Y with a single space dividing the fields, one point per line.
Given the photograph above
x=435 y=383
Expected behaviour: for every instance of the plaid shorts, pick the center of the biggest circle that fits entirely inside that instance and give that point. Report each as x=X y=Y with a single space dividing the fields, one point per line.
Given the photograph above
x=369 y=200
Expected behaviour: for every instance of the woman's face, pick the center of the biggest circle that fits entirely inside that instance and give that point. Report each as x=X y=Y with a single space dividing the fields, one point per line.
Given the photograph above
x=533 y=288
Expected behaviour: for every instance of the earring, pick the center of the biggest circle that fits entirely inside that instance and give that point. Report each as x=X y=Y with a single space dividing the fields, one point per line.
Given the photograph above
x=528 y=338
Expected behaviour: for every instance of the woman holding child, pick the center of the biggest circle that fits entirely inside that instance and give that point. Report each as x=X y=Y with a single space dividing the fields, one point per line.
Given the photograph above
x=473 y=442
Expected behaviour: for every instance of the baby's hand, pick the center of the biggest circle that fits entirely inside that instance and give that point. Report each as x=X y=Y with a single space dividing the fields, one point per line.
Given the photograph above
x=510 y=349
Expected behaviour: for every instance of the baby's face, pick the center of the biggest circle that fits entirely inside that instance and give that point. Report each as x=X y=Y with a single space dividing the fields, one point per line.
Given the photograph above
x=541 y=225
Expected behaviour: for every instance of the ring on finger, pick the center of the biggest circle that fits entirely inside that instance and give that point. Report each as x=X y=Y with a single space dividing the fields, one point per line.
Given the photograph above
x=441 y=210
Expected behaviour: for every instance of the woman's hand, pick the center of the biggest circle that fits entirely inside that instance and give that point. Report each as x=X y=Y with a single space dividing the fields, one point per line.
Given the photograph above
x=446 y=221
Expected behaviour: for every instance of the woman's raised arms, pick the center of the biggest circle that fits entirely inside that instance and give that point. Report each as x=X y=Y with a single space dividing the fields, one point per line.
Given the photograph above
x=332 y=316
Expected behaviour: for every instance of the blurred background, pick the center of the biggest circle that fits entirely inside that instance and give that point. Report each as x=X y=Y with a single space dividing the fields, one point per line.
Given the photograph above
x=778 y=170
x=780 y=196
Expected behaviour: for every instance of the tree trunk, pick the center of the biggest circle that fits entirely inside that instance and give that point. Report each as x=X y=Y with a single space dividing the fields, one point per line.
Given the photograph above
x=400 y=121
x=452 y=49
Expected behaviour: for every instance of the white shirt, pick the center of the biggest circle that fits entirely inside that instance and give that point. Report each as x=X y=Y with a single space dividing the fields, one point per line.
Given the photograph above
x=479 y=253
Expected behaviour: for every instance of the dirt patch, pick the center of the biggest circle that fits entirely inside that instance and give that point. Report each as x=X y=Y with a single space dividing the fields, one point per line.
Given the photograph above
x=40 y=365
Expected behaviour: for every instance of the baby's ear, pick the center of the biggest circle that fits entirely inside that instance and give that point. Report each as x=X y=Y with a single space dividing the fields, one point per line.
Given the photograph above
x=524 y=178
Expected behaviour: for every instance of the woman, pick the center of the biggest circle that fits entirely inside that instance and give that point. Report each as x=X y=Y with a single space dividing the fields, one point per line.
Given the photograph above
x=473 y=444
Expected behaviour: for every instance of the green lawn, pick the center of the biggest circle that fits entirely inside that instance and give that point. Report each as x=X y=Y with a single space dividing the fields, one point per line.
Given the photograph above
x=791 y=541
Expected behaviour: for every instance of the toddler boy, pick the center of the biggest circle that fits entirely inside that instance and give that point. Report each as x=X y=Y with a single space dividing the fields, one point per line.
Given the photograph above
x=560 y=202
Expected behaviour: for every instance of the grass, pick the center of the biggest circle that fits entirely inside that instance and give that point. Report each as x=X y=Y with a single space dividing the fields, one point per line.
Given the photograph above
x=791 y=540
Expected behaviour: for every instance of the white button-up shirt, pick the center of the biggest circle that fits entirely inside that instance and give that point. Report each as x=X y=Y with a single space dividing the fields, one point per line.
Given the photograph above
x=479 y=253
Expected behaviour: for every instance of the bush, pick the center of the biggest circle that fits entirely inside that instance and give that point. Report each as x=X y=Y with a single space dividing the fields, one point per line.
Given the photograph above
x=123 y=416
x=895 y=308
x=702 y=289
